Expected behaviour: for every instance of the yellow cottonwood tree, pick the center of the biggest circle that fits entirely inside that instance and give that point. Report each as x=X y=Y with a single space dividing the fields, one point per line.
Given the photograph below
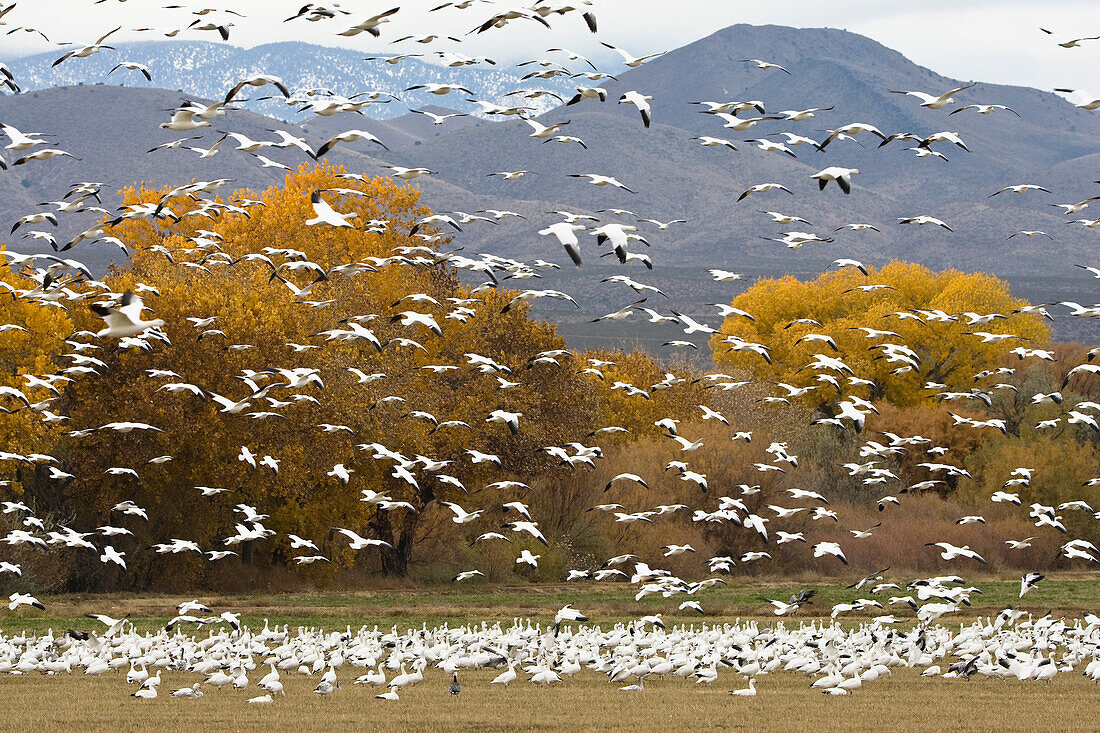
x=785 y=310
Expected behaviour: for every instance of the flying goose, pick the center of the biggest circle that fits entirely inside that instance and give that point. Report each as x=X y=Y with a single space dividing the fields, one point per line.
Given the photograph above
x=86 y=51
x=370 y=25
x=325 y=214
x=760 y=64
x=933 y=102
x=842 y=176
x=632 y=61
x=764 y=188
x=124 y=319
x=597 y=179
x=640 y=101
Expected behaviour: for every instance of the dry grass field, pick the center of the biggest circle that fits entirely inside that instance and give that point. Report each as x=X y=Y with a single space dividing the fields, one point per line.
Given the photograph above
x=585 y=702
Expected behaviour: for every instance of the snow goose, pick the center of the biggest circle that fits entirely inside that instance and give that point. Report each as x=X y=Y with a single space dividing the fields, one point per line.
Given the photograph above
x=740 y=124
x=85 y=51
x=370 y=25
x=764 y=188
x=934 y=102
x=749 y=691
x=325 y=214
x=19 y=141
x=842 y=176
x=125 y=319
x=715 y=142
x=984 y=109
x=348 y=136
x=950 y=552
x=597 y=179
x=584 y=93
x=466 y=575
x=761 y=64
x=1073 y=42
x=640 y=101
x=15 y=600
x=632 y=61
x=853 y=128
x=771 y=147
x=44 y=154
x=924 y=220
x=1085 y=100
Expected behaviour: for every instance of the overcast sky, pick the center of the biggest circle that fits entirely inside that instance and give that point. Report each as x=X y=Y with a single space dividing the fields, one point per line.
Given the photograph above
x=987 y=40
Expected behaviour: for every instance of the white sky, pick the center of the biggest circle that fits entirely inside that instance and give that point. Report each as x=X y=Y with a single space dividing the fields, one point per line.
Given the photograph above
x=988 y=40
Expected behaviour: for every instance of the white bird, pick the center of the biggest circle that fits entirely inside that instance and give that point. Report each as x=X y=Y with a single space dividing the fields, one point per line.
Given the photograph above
x=934 y=102
x=124 y=320
x=640 y=101
x=842 y=176
x=632 y=61
x=950 y=552
x=821 y=549
x=325 y=214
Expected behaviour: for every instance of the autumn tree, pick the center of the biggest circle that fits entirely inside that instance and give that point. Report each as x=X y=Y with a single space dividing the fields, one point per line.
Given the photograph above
x=285 y=355
x=901 y=326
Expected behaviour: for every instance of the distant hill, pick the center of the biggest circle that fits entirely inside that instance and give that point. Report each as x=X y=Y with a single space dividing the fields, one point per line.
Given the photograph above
x=209 y=70
x=1052 y=143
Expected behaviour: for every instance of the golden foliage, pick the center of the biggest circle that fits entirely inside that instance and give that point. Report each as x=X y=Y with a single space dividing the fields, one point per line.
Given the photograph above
x=786 y=310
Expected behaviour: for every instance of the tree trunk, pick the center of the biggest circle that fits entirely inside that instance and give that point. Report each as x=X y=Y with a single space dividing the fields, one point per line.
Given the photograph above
x=395 y=561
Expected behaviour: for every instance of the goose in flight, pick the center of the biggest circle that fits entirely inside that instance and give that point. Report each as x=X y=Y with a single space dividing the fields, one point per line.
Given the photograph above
x=1029 y=581
x=461 y=516
x=258 y=80
x=1077 y=207
x=923 y=220
x=132 y=66
x=821 y=549
x=761 y=64
x=584 y=93
x=325 y=214
x=348 y=136
x=715 y=142
x=43 y=154
x=1085 y=100
x=632 y=61
x=15 y=600
x=359 y=543
x=935 y=102
x=842 y=176
x=124 y=320
x=984 y=109
x=640 y=101
x=542 y=131
x=407 y=174
x=1073 y=42
x=370 y=25
x=466 y=575
x=565 y=233
x=853 y=128
x=85 y=51
x=950 y=552
x=1020 y=188
x=769 y=146
x=600 y=180
x=503 y=417
x=764 y=188
x=19 y=141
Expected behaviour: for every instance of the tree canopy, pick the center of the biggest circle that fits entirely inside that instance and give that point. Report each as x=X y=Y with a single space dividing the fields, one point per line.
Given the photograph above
x=901 y=327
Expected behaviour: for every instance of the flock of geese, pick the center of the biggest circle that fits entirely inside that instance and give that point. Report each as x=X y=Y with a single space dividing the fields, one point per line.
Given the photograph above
x=840 y=658
x=255 y=664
